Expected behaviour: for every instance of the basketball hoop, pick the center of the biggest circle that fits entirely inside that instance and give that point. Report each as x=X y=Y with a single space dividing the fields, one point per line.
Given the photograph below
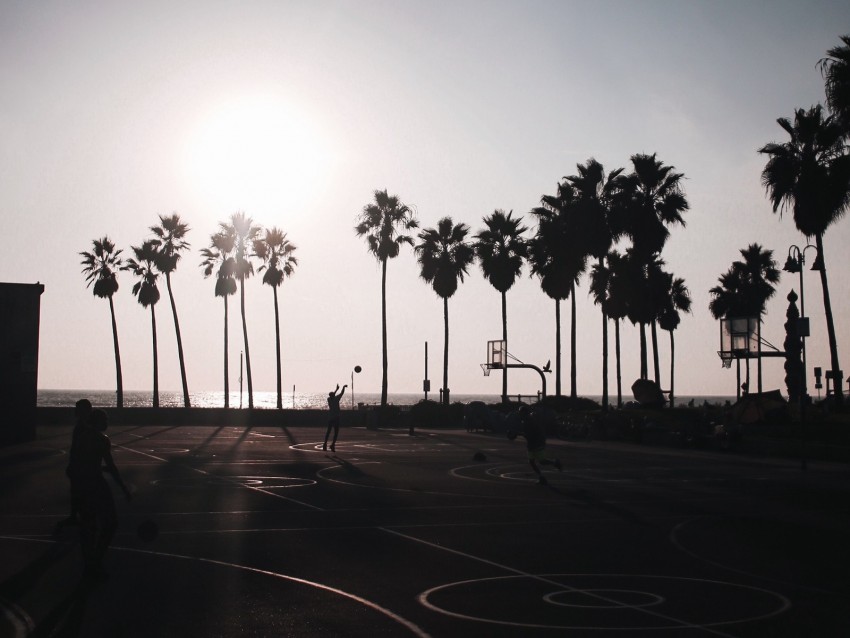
x=486 y=368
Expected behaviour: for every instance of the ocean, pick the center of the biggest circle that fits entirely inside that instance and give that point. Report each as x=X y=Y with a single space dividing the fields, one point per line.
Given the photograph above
x=298 y=401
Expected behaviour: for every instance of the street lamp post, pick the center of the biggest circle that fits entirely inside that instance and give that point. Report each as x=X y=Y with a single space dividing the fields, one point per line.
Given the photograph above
x=795 y=262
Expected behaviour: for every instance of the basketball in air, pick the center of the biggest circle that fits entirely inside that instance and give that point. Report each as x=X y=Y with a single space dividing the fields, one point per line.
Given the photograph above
x=357 y=369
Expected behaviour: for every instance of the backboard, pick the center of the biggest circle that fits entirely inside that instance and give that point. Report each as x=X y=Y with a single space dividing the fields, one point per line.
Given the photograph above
x=497 y=353
x=739 y=338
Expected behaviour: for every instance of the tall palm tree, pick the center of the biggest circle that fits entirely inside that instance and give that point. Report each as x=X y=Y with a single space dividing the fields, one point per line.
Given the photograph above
x=170 y=242
x=677 y=299
x=596 y=216
x=652 y=200
x=444 y=256
x=384 y=223
x=642 y=274
x=836 y=72
x=143 y=266
x=219 y=258
x=100 y=267
x=501 y=250
x=244 y=233
x=277 y=254
x=810 y=173
x=557 y=257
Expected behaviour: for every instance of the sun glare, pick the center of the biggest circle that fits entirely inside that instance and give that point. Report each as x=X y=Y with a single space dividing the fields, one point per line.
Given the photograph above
x=255 y=153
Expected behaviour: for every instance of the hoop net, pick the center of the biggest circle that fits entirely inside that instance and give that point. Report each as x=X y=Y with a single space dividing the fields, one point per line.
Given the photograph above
x=486 y=368
x=725 y=358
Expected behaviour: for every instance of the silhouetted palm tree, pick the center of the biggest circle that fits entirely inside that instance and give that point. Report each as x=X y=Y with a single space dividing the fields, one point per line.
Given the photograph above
x=384 y=224
x=643 y=305
x=276 y=252
x=170 y=242
x=836 y=72
x=654 y=201
x=810 y=173
x=595 y=215
x=677 y=299
x=146 y=292
x=244 y=233
x=444 y=257
x=218 y=258
x=557 y=257
x=501 y=250
x=100 y=267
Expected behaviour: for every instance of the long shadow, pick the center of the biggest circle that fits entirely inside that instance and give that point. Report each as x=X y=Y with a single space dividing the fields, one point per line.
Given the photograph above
x=14 y=587
x=350 y=468
x=65 y=620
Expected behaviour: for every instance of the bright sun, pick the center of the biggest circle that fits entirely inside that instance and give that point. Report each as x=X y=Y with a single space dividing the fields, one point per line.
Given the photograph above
x=257 y=152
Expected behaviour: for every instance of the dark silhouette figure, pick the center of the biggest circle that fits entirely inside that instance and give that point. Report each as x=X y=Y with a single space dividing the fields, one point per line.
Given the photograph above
x=98 y=517
x=82 y=414
x=535 y=441
x=333 y=422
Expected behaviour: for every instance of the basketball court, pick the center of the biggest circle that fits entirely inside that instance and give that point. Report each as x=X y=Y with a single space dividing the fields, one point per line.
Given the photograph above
x=261 y=533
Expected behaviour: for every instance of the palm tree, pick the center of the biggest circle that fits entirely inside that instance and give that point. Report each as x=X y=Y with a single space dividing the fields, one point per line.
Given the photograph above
x=677 y=299
x=218 y=258
x=444 y=257
x=244 y=232
x=642 y=277
x=146 y=292
x=276 y=253
x=810 y=173
x=170 y=242
x=501 y=250
x=652 y=200
x=596 y=217
x=558 y=259
x=836 y=72
x=384 y=223
x=100 y=267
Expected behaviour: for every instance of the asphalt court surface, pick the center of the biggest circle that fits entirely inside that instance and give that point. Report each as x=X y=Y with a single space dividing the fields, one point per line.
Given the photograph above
x=261 y=533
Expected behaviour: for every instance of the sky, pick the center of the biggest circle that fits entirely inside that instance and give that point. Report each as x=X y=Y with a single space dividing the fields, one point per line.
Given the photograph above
x=296 y=112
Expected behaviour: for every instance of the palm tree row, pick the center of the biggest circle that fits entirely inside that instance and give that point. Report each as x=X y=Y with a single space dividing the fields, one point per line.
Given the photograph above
x=229 y=256
x=588 y=215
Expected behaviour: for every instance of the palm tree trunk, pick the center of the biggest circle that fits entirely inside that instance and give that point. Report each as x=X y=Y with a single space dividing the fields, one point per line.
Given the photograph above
x=837 y=380
x=557 y=347
x=226 y=371
x=245 y=341
x=644 y=373
x=186 y=402
x=573 y=363
x=155 y=359
x=384 y=331
x=505 y=340
x=604 y=361
x=617 y=353
x=672 y=370
x=119 y=380
x=446 y=350
x=277 y=345
x=759 y=358
x=656 y=366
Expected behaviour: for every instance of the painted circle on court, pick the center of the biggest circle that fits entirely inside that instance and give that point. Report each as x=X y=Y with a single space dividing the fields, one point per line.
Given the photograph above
x=603 y=601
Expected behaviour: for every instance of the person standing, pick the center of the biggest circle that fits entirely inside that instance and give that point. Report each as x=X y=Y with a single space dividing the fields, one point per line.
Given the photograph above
x=98 y=516
x=333 y=421
x=82 y=415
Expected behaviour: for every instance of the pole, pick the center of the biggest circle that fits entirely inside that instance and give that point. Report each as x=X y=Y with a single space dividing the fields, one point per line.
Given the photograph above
x=804 y=395
x=352 y=389
x=426 y=371
x=293 y=396
x=240 y=378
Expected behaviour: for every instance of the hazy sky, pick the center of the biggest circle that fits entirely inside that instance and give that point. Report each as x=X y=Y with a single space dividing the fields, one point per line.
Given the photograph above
x=295 y=112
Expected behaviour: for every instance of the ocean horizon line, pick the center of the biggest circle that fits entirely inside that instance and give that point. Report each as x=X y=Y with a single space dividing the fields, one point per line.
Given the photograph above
x=299 y=400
